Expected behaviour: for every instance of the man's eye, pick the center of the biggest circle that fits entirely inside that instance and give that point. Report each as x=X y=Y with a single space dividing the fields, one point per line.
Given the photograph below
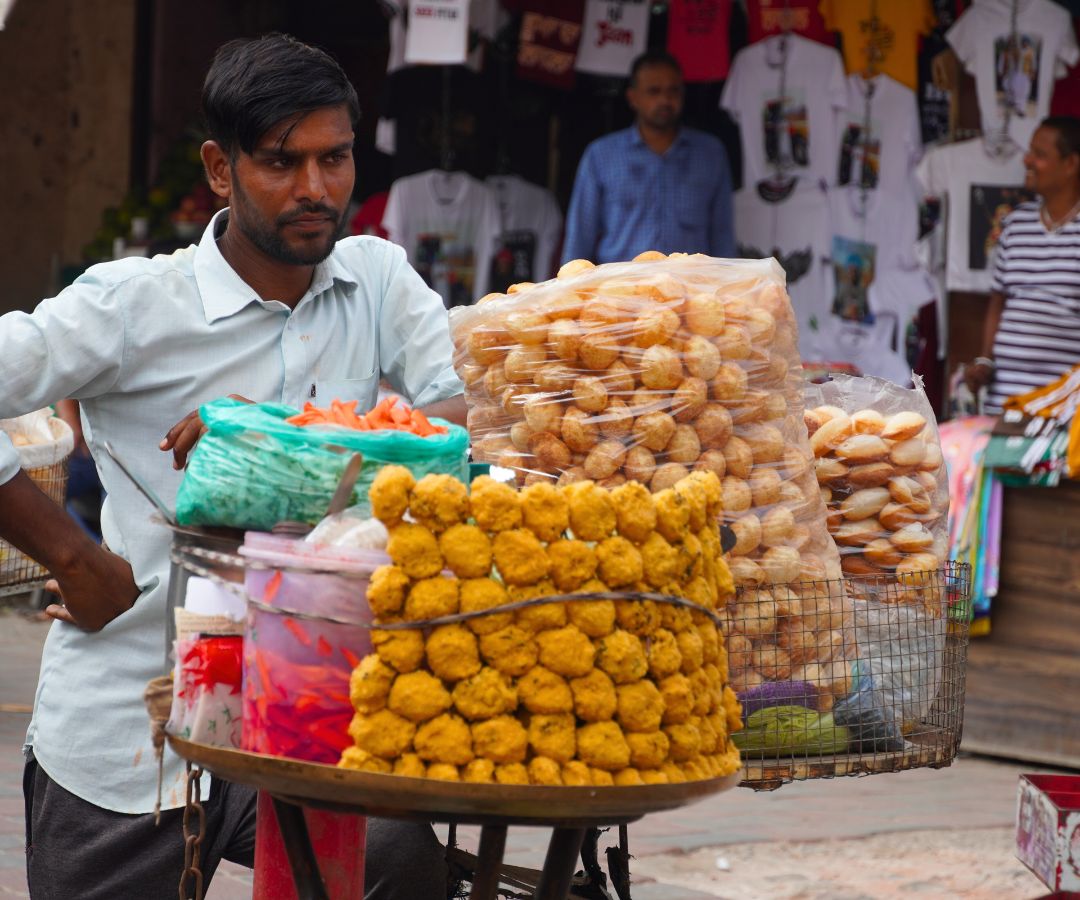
x=338 y=157
x=279 y=162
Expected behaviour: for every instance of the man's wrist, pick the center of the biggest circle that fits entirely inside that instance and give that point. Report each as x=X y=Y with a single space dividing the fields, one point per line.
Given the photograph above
x=985 y=361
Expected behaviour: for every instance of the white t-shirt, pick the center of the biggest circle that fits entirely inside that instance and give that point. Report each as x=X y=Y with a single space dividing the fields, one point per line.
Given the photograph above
x=869 y=347
x=447 y=222
x=796 y=232
x=530 y=231
x=876 y=197
x=613 y=34
x=1019 y=79
x=791 y=136
x=978 y=190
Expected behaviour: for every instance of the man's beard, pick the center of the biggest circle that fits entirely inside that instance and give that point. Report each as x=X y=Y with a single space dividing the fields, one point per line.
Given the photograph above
x=268 y=239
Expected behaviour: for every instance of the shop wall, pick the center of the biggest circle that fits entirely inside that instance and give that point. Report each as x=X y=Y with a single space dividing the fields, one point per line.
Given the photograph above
x=65 y=113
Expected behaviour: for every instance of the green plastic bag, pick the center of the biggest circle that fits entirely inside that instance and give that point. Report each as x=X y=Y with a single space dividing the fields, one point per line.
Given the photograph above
x=252 y=469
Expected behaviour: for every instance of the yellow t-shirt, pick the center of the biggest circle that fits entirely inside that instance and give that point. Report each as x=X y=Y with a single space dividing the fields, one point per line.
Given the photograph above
x=894 y=40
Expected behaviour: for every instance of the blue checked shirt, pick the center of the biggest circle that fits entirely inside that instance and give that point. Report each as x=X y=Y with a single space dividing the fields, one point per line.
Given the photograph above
x=141 y=342
x=628 y=199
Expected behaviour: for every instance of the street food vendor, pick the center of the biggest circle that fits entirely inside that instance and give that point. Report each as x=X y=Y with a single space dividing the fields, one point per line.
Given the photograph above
x=271 y=306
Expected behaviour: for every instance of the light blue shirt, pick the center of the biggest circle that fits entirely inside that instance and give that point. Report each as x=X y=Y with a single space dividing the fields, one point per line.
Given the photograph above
x=142 y=342
x=628 y=199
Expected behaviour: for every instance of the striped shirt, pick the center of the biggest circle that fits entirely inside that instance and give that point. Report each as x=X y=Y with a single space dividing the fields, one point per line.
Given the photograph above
x=1038 y=272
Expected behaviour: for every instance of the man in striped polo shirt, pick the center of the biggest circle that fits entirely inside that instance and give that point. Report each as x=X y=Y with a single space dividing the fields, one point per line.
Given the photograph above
x=1032 y=330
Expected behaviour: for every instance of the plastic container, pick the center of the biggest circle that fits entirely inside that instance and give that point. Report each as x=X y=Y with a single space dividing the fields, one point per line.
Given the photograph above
x=305 y=634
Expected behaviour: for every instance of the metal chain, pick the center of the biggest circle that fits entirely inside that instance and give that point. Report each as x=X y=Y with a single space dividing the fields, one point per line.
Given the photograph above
x=192 y=842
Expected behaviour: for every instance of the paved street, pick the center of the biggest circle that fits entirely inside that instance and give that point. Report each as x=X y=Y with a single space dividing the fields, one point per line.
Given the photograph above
x=942 y=835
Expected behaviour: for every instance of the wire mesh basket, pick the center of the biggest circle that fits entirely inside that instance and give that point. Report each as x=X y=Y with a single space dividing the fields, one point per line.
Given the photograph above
x=18 y=572
x=855 y=676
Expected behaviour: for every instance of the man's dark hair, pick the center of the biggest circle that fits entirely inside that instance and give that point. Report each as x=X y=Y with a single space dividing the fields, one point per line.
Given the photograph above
x=253 y=84
x=653 y=58
x=1068 y=133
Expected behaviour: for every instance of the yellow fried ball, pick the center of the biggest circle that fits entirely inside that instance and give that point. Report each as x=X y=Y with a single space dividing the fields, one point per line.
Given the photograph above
x=402 y=650
x=618 y=562
x=410 y=765
x=369 y=684
x=542 y=691
x=732 y=711
x=663 y=654
x=443 y=772
x=660 y=559
x=595 y=618
x=384 y=734
x=362 y=761
x=603 y=746
x=672 y=514
x=572 y=564
x=520 y=557
x=453 y=652
x=699 y=690
x=439 y=501
x=600 y=778
x=543 y=770
x=544 y=511
x=566 y=651
x=622 y=656
x=386 y=590
x=595 y=699
x=639 y=617
x=575 y=773
x=635 y=512
x=553 y=736
x=653 y=776
x=675 y=618
x=592 y=514
x=466 y=550
x=495 y=506
x=641 y=707
x=486 y=694
x=444 y=739
x=714 y=494
x=628 y=777
x=510 y=650
x=541 y=616
x=418 y=696
x=415 y=550
x=511 y=773
x=502 y=739
x=479 y=594
x=430 y=598
x=648 y=749
x=389 y=494
x=692 y=650
x=479 y=771
x=685 y=739
x=678 y=702
x=708 y=734
x=696 y=497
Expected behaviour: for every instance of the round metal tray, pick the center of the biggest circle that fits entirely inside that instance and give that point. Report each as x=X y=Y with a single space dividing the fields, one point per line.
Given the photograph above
x=396 y=796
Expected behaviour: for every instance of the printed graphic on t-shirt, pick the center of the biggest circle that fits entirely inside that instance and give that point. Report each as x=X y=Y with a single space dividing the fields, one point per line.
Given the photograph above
x=513 y=260
x=990 y=204
x=860 y=156
x=1016 y=73
x=447 y=266
x=853 y=267
x=795 y=264
x=786 y=135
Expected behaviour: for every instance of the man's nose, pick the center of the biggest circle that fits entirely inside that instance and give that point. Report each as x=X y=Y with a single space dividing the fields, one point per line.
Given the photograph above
x=310 y=184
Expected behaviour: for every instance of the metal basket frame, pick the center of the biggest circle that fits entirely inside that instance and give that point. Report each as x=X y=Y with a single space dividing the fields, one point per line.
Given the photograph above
x=18 y=572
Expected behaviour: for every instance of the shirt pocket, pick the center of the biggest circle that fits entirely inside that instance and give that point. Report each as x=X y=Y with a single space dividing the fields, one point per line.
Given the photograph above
x=363 y=390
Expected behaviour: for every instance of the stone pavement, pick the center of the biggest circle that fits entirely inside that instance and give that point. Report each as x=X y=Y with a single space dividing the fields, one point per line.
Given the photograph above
x=935 y=834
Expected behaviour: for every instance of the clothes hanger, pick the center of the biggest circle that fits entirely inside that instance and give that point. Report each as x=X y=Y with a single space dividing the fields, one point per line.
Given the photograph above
x=999 y=144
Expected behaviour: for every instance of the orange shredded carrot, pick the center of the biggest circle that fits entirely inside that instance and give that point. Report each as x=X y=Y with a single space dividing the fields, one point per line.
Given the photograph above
x=388 y=414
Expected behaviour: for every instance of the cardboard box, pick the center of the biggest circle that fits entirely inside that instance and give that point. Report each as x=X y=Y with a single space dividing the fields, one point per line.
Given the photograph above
x=1048 y=829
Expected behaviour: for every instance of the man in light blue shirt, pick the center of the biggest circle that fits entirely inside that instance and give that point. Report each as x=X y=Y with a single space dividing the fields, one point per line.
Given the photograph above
x=269 y=306
x=654 y=186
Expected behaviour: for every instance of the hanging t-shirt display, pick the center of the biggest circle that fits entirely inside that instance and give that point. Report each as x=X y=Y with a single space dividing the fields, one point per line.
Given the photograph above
x=530 y=229
x=934 y=102
x=876 y=199
x=882 y=34
x=614 y=34
x=796 y=233
x=786 y=93
x=549 y=40
x=979 y=189
x=853 y=263
x=866 y=347
x=447 y=222
x=768 y=17
x=438 y=32
x=698 y=38
x=1014 y=70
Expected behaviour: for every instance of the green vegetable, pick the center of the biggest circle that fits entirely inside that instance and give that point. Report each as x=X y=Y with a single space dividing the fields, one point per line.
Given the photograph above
x=791 y=730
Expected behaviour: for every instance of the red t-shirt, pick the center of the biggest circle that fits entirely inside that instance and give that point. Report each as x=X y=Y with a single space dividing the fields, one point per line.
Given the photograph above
x=698 y=38
x=368 y=219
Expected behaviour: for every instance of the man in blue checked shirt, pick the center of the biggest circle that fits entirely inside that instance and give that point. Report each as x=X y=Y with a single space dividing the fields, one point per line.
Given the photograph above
x=654 y=186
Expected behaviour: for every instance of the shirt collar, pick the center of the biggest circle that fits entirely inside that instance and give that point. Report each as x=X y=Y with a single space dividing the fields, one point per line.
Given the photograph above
x=224 y=293
x=636 y=140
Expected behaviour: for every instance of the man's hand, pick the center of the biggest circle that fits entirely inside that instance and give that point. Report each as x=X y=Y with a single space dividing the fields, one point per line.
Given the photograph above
x=185 y=434
x=978 y=374
x=99 y=589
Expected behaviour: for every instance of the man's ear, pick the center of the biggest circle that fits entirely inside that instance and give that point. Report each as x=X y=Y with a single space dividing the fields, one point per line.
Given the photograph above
x=630 y=94
x=218 y=171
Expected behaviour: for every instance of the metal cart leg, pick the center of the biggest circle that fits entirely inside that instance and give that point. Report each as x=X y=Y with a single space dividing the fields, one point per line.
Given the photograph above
x=485 y=883
x=560 y=863
x=305 y=868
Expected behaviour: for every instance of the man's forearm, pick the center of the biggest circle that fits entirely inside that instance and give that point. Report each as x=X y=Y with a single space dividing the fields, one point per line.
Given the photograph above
x=452 y=409
x=993 y=320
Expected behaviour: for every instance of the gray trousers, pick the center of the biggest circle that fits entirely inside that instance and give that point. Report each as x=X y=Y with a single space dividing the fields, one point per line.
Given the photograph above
x=77 y=850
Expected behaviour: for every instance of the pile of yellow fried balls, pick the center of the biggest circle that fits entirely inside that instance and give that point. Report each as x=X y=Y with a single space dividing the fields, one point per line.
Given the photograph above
x=569 y=692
